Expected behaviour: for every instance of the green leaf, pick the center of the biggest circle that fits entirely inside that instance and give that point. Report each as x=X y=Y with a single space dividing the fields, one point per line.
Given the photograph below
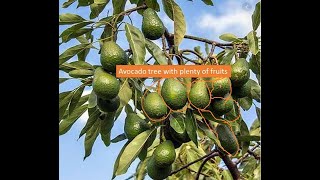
x=226 y=175
x=137 y=44
x=168 y=8
x=132 y=151
x=118 y=7
x=249 y=165
x=177 y=123
x=63 y=95
x=226 y=60
x=255 y=63
x=75 y=98
x=220 y=56
x=93 y=117
x=104 y=21
x=68 y=3
x=76 y=65
x=248 y=138
x=62 y=80
x=207 y=48
x=229 y=37
x=209 y=133
x=256 y=17
x=253 y=42
x=208 y=2
x=142 y=170
x=67 y=123
x=90 y=138
x=179 y=22
x=258 y=111
x=106 y=126
x=257 y=173
x=256 y=92
x=191 y=127
x=68 y=18
x=83 y=100
x=116 y=163
x=64 y=103
x=75 y=31
x=84 y=3
x=156 y=52
x=244 y=131
x=245 y=103
x=92 y=100
x=119 y=138
x=125 y=94
x=81 y=73
x=128 y=109
x=134 y=1
x=255 y=125
x=153 y=4
x=97 y=7
x=69 y=53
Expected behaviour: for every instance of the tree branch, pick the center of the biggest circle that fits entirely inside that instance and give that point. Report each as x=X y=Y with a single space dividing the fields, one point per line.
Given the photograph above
x=204 y=162
x=246 y=154
x=191 y=60
x=193 y=52
x=231 y=166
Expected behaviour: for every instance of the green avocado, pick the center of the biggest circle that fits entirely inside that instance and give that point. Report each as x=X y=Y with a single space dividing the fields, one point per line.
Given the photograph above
x=239 y=73
x=105 y=85
x=154 y=106
x=111 y=55
x=242 y=91
x=227 y=139
x=164 y=154
x=199 y=95
x=222 y=106
x=157 y=173
x=134 y=125
x=174 y=94
x=152 y=26
x=219 y=86
x=107 y=105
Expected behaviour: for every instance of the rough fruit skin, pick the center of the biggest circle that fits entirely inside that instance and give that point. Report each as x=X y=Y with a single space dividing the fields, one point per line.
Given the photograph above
x=174 y=94
x=154 y=106
x=199 y=95
x=227 y=139
x=239 y=73
x=152 y=26
x=134 y=125
x=108 y=105
x=164 y=154
x=111 y=55
x=242 y=91
x=219 y=87
x=222 y=106
x=105 y=85
x=157 y=173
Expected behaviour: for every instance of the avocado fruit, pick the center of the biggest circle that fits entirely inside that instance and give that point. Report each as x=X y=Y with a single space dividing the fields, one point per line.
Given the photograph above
x=239 y=72
x=174 y=93
x=227 y=139
x=164 y=154
x=108 y=105
x=199 y=95
x=104 y=84
x=111 y=55
x=222 y=106
x=219 y=87
x=157 y=173
x=152 y=26
x=154 y=106
x=134 y=125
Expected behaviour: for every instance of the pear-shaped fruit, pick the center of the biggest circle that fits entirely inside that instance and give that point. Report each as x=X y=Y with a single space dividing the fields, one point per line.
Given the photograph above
x=134 y=125
x=174 y=93
x=108 y=105
x=155 y=172
x=219 y=86
x=222 y=106
x=239 y=72
x=227 y=139
x=164 y=154
x=154 y=106
x=111 y=55
x=105 y=85
x=152 y=26
x=199 y=95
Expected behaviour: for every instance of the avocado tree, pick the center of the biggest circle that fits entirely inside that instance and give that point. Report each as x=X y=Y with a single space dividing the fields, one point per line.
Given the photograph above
x=178 y=128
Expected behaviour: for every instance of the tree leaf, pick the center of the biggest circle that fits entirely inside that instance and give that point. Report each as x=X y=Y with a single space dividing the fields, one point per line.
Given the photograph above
x=77 y=65
x=137 y=44
x=132 y=151
x=118 y=7
x=92 y=100
x=209 y=133
x=248 y=138
x=62 y=80
x=229 y=37
x=125 y=94
x=63 y=95
x=255 y=63
x=90 y=138
x=66 y=124
x=226 y=175
x=116 y=163
x=258 y=111
x=179 y=22
x=253 y=42
x=69 y=53
x=226 y=60
x=177 y=123
x=104 y=21
x=119 y=138
x=244 y=131
x=208 y=2
x=142 y=170
x=68 y=18
x=93 y=117
x=168 y=8
x=156 y=52
x=153 y=4
x=84 y=3
x=97 y=7
x=128 y=109
x=249 y=165
x=64 y=103
x=75 y=98
x=191 y=127
x=256 y=16
x=68 y=3
x=255 y=125
x=74 y=31
x=106 y=126
x=245 y=103
x=257 y=173
x=207 y=48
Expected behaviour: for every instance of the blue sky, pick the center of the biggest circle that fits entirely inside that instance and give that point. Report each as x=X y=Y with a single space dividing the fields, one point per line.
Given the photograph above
x=202 y=20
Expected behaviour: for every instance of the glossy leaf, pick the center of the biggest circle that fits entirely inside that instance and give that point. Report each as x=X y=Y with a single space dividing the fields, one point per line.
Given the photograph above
x=104 y=21
x=245 y=103
x=119 y=138
x=75 y=31
x=97 y=7
x=256 y=16
x=125 y=94
x=208 y=2
x=156 y=52
x=128 y=109
x=75 y=98
x=106 y=126
x=116 y=163
x=66 y=124
x=177 y=123
x=209 y=133
x=153 y=4
x=179 y=21
x=69 y=53
x=226 y=60
x=253 y=42
x=84 y=3
x=229 y=37
x=137 y=44
x=132 y=151
x=92 y=100
x=118 y=7
x=255 y=63
x=64 y=103
x=69 y=18
x=90 y=138
x=68 y=3
x=93 y=117
x=191 y=126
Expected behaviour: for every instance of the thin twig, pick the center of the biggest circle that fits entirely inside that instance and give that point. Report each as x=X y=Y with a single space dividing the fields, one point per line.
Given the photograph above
x=246 y=154
x=204 y=162
x=213 y=46
x=164 y=49
x=193 y=52
x=190 y=60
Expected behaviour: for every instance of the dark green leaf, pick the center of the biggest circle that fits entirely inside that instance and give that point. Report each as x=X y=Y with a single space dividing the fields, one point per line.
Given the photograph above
x=249 y=165
x=253 y=42
x=255 y=63
x=75 y=31
x=92 y=100
x=118 y=7
x=209 y=133
x=68 y=18
x=69 y=53
x=255 y=125
x=68 y=3
x=132 y=150
x=245 y=103
x=229 y=37
x=80 y=73
x=156 y=52
x=83 y=100
x=90 y=138
x=116 y=164
x=63 y=95
x=75 y=98
x=64 y=103
x=66 y=124
x=191 y=127
x=258 y=111
x=137 y=44
x=104 y=21
x=82 y=55
x=168 y=8
x=244 y=131
x=248 y=138
x=134 y=1
x=256 y=17
x=97 y=7
x=153 y=4
x=256 y=92
x=220 y=56
x=125 y=95
x=128 y=109
x=76 y=65
x=177 y=123
x=62 y=80
x=228 y=56
x=179 y=22
x=207 y=48
x=93 y=117
x=84 y=3
x=120 y=137
x=106 y=126
x=208 y=2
